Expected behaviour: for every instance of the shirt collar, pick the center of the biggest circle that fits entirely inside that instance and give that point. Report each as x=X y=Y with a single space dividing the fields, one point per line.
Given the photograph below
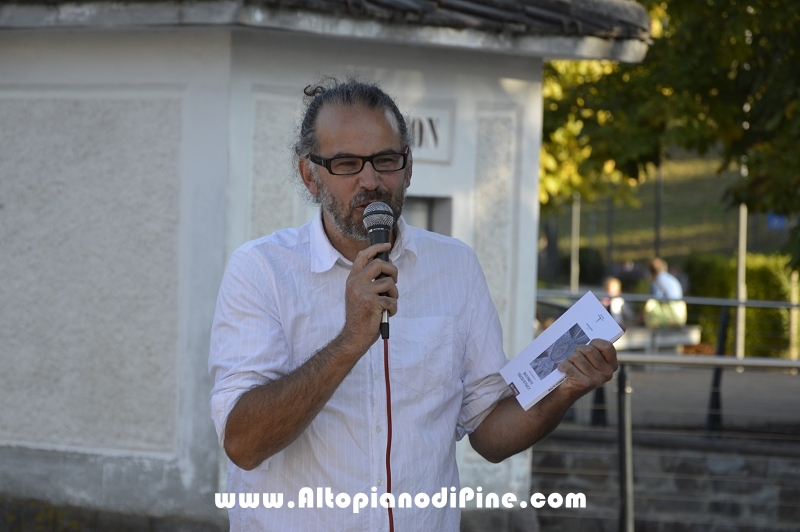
x=324 y=255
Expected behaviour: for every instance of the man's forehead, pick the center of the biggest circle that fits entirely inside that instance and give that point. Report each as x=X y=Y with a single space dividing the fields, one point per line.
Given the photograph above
x=336 y=121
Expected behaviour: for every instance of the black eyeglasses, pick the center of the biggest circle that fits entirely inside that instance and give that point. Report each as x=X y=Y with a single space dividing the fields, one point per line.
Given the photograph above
x=382 y=162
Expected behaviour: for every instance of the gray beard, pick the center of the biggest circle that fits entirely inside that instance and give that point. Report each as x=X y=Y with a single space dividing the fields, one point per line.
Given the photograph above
x=347 y=222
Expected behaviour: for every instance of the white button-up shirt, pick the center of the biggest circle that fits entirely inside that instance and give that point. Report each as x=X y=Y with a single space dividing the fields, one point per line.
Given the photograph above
x=282 y=299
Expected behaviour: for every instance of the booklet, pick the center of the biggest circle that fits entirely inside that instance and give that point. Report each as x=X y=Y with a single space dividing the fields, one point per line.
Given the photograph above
x=533 y=373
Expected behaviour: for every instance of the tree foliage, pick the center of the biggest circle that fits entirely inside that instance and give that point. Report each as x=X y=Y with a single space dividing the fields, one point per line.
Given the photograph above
x=719 y=73
x=572 y=160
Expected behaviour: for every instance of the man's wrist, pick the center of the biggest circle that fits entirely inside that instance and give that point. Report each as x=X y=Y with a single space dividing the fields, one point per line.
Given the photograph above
x=346 y=346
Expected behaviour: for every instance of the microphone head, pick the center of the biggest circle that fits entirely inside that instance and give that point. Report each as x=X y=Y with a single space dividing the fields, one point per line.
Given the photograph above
x=378 y=215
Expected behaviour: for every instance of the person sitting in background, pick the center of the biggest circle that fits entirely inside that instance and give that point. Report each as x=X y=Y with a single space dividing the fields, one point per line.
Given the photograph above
x=615 y=303
x=664 y=285
x=666 y=308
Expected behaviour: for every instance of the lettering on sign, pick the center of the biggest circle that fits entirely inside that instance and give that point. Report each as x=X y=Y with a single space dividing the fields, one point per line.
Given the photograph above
x=426 y=132
x=432 y=132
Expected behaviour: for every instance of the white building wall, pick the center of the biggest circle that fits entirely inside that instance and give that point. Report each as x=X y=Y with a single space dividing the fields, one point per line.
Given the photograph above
x=112 y=184
x=79 y=173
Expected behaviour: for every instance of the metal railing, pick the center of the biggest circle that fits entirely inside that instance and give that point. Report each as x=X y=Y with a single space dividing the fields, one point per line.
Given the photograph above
x=690 y=300
x=624 y=405
x=563 y=299
x=718 y=362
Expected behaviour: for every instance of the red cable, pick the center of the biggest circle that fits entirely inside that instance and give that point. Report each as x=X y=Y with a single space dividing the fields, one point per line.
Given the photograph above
x=389 y=431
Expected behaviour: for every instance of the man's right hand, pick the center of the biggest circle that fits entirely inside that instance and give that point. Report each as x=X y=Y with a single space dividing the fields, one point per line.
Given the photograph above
x=367 y=296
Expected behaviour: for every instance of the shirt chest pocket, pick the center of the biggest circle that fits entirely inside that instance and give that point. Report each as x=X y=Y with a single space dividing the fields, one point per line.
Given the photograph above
x=421 y=352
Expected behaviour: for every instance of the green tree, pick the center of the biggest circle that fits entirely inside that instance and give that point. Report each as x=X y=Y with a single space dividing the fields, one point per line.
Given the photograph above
x=572 y=158
x=719 y=72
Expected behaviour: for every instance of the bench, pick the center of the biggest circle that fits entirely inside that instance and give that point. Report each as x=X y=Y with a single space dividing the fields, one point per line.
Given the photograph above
x=659 y=340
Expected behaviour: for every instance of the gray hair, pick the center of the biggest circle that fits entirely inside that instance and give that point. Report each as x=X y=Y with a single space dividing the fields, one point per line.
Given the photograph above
x=350 y=93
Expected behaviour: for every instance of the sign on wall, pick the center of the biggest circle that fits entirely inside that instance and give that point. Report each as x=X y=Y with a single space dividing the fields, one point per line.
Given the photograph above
x=432 y=128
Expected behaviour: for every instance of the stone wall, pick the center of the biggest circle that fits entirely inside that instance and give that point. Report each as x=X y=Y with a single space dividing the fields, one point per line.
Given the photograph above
x=682 y=481
x=18 y=515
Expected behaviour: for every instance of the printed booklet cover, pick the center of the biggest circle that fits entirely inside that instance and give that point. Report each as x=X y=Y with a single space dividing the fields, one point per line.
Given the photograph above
x=533 y=373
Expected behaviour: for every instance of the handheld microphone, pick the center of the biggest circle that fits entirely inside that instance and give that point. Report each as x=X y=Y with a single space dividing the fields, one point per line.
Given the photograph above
x=378 y=220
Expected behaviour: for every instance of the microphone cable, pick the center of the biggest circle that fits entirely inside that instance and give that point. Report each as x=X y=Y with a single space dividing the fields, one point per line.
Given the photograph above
x=389 y=425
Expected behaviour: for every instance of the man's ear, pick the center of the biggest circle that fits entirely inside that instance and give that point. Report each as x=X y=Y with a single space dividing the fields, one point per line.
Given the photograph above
x=410 y=164
x=304 y=167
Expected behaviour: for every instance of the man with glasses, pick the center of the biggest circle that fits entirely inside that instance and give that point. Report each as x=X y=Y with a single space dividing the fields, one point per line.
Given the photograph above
x=299 y=393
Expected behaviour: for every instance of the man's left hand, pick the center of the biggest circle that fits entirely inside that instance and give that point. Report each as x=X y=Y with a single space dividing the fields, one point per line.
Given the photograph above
x=509 y=429
x=589 y=367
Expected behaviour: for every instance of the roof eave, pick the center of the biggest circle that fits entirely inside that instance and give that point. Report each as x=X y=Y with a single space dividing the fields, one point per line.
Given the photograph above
x=547 y=46
x=234 y=13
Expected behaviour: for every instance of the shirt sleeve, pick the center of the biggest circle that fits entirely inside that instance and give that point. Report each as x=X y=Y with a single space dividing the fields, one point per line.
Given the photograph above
x=483 y=356
x=248 y=345
x=654 y=291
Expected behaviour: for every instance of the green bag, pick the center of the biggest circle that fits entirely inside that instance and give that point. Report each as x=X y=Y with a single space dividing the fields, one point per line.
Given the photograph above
x=664 y=313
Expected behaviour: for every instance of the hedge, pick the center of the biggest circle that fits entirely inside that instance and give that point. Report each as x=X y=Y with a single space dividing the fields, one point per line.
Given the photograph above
x=767 y=278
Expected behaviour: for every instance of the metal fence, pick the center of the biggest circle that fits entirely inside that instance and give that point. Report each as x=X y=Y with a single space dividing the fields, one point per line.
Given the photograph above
x=723 y=430
x=714 y=421
x=748 y=327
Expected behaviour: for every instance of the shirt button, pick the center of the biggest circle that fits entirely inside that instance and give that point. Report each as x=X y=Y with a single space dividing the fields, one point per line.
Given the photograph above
x=380 y=482
x=378 y=428
x=376 y=376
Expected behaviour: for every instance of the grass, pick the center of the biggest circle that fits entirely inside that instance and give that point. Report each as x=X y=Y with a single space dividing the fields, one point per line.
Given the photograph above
x=695 y=217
